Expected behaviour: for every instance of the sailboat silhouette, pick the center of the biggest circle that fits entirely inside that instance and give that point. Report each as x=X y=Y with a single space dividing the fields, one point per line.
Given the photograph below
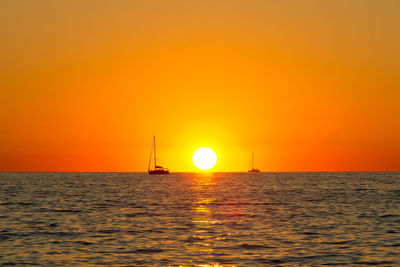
x=157 y=169
x=252 y=165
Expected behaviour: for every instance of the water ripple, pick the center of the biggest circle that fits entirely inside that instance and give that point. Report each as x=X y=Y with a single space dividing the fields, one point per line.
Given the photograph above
x=221 y=219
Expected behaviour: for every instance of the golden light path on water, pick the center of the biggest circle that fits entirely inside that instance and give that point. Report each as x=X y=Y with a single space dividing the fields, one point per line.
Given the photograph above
x=207 y=231
x=202 y=217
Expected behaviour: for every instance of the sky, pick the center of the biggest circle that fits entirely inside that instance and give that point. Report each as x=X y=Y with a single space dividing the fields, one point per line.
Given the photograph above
x=305 y=85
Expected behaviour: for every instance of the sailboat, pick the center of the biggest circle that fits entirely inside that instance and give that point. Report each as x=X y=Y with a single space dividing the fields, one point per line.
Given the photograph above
x=252 y=165
x=157 y=169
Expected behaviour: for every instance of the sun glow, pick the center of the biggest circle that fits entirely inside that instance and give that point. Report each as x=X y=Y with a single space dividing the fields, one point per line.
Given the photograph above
x=204 y=158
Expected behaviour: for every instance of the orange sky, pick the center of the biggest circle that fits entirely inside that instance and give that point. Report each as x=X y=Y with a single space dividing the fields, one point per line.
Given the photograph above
x=306 y=85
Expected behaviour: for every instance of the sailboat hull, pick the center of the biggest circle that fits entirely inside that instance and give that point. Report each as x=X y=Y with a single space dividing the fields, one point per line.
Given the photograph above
x=158 y=172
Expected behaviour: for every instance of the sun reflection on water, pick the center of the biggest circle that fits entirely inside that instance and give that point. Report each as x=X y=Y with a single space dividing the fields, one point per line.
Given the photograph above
x=217 y=219
x=206 y=232
x=203 y=219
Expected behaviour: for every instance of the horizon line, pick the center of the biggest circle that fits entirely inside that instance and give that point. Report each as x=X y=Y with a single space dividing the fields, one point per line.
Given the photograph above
x=200 y=171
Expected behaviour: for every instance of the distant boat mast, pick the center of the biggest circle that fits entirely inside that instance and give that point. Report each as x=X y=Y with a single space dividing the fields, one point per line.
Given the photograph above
x=155 y=155
x=151 y=154
x=252 y=164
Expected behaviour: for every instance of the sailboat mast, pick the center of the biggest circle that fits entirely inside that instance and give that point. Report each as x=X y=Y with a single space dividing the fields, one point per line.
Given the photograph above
x=154 y=144
x=252 y=162
x=151 y=152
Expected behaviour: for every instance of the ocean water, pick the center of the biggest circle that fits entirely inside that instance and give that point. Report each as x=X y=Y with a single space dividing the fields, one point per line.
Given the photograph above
x=220 y=219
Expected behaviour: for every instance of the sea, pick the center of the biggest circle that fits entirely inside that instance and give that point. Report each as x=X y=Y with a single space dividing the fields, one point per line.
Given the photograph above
x=200 y=219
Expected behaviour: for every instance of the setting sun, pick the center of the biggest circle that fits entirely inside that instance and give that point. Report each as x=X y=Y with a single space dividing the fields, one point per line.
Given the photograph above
x=204 y=158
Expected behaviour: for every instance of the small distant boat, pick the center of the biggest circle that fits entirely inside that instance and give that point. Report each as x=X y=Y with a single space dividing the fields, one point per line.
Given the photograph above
x=252 y=165
x=157 y=169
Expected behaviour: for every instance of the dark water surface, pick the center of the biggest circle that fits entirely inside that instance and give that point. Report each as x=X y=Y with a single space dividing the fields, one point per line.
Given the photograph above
x=241 y=219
